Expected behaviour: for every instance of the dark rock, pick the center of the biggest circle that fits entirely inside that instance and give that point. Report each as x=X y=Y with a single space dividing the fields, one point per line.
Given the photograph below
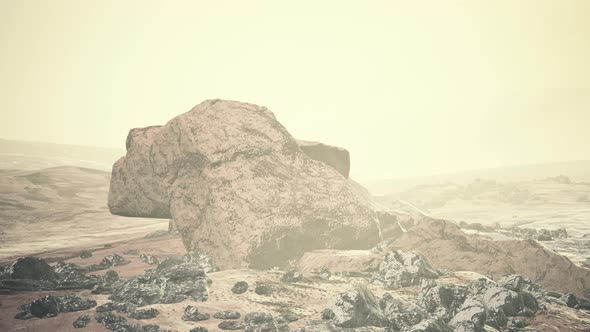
x=583 y=305
x=289 y=317
x=264 y=289
x=144 y=313
x=228 y=314
x=84 y=254
x=441 y=301
x=400 y=315
x=193 y=314
x=498 y=298
x=355 y=308
x=45 y=307
x=570 y=300
x=231 y=325
x=81 y=321
x=148 y=259
x=403 y=269
x=263 y=322
x=27 y=285
x=240 y=287
x=199 y=329
x=108 y=262
x=30 y=268
x=113 y=322
x=51 y=306
x=173 y=281
x=124 y=307
x=292 y=276
x=471 y=316
x=107 y=307
x=328 y=314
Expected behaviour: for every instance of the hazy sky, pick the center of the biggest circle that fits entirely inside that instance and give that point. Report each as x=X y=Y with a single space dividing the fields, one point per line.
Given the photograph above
x=409 y=87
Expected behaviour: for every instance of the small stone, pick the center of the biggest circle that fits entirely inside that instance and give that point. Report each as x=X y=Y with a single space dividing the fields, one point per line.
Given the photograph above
x=227 y=314
x=84 y=254
x=240 y=287
x=81 y=321
x=263 y=289
x=192 y=313
x=292 y=276
x=231 y=325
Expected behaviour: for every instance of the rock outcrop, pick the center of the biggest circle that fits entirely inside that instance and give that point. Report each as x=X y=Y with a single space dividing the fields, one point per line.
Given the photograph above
x=239 y=187
x=336 y=157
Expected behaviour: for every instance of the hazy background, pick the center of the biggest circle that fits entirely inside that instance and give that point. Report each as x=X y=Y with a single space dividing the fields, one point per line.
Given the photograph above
x=409 y=87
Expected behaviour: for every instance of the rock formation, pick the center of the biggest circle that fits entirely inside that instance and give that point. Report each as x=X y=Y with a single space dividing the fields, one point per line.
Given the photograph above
x=238 y=186
x=338 y=158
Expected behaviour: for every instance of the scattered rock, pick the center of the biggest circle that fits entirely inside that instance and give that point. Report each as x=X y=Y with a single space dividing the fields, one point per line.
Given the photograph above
x=264 y=289
x=172 y=281
x=199 y=329
x=431 y=325
x=108 y=262
x=231 y=325
x=228 y=314
x=403 y=269
x=81 y=321
x=193 y=314
x=400 y=314
x=144 y=313
x=107 y=307
x=292 y=276
x=51 y=306
x=441 y=301
x=84 y=254
x=240 y=287
x=148 y=259
x=263 y=322
x=355 y=308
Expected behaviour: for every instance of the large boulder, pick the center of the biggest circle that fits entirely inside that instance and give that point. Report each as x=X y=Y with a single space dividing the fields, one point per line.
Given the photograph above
x=403 y=269
x=336 y=157
x=239 y=187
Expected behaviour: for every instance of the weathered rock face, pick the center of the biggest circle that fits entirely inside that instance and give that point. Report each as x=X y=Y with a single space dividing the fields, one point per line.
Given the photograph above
x=239 y=187
x=336 y=157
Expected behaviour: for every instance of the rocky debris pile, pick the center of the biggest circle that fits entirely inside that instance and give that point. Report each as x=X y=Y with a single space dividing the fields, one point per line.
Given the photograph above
x=172 y=281
x=51 y=306
x=238 y=185
x=403 y=269
x=34 y=274
x=482 y=305
x=240 y=287
x=108 y=262
x=536 y=234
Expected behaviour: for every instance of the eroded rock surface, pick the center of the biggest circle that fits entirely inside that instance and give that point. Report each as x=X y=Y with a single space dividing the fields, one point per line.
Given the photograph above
x=238 y=186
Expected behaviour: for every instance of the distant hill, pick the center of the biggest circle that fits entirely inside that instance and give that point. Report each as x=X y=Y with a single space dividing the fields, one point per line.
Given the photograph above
x=20 y=155
x=578 y=171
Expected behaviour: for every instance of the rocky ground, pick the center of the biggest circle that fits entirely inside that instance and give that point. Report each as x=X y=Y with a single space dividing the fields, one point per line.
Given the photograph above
x=312 y=301
x=267 y=233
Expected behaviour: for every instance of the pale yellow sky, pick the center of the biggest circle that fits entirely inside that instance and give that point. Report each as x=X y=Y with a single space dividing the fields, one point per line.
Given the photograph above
x=409 y=87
